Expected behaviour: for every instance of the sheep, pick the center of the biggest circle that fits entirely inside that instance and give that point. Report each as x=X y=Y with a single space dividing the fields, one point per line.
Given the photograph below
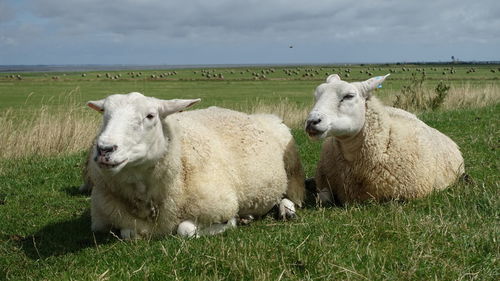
x=374 y=152
x=154 y=168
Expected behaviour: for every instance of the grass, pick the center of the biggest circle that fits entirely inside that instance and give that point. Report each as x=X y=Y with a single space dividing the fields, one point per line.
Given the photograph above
x=451 y=235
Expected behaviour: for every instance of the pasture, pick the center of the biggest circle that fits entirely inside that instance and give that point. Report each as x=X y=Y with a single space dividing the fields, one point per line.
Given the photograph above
x=45 y=234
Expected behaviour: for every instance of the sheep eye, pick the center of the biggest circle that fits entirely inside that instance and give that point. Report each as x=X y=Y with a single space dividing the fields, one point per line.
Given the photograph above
x=347 y=97
x=150 y=116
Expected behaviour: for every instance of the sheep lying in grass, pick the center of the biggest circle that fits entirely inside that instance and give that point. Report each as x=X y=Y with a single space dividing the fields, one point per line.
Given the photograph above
x=152 y=169
x=376 y=152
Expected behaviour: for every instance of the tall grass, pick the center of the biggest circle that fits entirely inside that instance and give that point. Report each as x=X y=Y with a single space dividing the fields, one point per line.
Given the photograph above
x=417 y=97
x=469 y=96
x=47 y=129
x=55 y=129
x=292 y=114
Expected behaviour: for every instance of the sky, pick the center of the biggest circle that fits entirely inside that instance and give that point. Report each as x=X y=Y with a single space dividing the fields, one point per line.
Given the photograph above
x=194 y=32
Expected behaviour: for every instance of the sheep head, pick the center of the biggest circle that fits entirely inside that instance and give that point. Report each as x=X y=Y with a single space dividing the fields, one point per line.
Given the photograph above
x=132 y=132
x=339 y=108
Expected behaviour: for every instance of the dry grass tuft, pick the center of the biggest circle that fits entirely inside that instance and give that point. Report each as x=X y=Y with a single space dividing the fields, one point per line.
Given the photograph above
x=48 y=129
x=292 y=114
x=469 y=96
x=46 y=132
x=456 y=97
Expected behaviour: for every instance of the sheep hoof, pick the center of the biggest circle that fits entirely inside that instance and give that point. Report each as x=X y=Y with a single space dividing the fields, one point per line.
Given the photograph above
x=127 y=234
x=287 y=209
x=245 y=219
x=187 y=229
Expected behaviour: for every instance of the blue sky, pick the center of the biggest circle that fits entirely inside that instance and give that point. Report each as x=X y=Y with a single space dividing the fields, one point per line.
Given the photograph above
x=246 y=32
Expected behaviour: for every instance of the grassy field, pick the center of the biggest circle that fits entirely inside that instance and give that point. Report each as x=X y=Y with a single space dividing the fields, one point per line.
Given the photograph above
x=238 y=85
x=45 y=223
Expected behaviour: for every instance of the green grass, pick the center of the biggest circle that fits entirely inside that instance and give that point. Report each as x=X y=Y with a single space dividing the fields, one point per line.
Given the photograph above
x=451 y=235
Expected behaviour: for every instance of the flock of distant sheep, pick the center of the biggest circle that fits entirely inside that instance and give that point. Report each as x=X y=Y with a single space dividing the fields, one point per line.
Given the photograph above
x=155 y=169
x=305 y=73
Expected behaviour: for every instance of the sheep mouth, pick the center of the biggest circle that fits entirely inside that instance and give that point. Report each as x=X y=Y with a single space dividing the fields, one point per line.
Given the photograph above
x=313 y=133
x=103 y=164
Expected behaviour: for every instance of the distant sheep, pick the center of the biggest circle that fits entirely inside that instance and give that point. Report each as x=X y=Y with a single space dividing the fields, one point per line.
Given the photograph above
x=376 y=152
x=155 y=171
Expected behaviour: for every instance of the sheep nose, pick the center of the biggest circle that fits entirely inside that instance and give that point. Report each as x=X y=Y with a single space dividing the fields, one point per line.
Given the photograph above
x=106 y=149
x=311 y=126
x=314 y=122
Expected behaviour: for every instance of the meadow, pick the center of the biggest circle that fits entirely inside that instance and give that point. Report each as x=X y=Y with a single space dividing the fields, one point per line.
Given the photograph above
x=45 y=130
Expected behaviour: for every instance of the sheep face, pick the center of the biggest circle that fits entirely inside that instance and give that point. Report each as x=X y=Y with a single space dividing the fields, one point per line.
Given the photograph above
x=132 y=132
x=339 y=108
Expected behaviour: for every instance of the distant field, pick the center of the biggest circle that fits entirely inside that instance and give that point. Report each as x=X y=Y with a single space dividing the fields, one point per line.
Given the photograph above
x=45 y=234
x=238 y=84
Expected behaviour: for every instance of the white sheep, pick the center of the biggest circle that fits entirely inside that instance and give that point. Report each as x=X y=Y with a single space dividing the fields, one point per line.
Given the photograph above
x=153 y=170
x=376 y=152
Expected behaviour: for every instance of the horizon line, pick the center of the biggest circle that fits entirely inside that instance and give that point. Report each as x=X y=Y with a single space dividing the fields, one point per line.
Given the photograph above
x=111 y=67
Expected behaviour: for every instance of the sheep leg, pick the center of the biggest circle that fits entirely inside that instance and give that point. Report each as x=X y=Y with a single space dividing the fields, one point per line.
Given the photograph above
x=189 y=229
x=286 y=209
x=217 y=228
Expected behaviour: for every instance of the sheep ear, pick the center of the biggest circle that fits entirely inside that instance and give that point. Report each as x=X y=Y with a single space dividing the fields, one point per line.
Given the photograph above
x=168 y=107
x=97 y=105
x=333 y=78
x=371 y=84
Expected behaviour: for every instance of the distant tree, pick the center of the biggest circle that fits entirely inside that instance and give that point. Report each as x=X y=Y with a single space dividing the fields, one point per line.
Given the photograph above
x=453 y=58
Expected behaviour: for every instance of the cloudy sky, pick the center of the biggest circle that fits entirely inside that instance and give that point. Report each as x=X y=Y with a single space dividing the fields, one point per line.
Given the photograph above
x=246 y=31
